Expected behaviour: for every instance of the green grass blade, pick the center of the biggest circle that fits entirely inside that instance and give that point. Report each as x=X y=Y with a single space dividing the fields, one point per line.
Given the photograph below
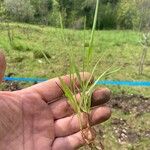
x=92 y=74
x=62 y=28
x=68 y=93
x=84 y=47
x=114 y=71
x=102 y=75
x=46 y=58
x=90 y=50
x=77 y=72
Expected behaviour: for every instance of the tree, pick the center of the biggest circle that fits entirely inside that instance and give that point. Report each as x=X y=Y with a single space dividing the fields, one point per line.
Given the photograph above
x=144 y=13
x=106 y=15
x=53 y=18
x=41 y=10
x=19 y=10
x=2 y=11
x=127 y=13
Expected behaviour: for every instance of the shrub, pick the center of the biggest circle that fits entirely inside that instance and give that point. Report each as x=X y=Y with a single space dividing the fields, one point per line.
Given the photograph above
x=127 y=14
x=144 y=14
x=19 y=10
x=53 y=17
x=107 y=16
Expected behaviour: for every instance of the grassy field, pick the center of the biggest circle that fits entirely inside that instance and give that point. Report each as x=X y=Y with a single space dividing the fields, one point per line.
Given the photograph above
x=117 y=48
x=120 y=48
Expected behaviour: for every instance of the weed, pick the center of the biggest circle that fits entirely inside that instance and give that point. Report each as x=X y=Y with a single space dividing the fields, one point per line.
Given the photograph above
x=86 y=90
x=145 y=42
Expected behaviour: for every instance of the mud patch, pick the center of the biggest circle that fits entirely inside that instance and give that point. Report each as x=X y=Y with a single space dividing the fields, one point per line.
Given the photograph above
x=136 y=104
x=123 y=132
x=11 y=86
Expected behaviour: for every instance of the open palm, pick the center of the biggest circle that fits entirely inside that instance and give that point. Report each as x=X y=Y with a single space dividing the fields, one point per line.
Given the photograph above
x=39 y=117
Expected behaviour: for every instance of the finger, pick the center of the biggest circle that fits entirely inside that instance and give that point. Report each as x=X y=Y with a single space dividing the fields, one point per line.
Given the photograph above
x=50 y=90
x=100 y=96
x=61 y=108
x=70 y=125
x=71 y=142
x=2 y=66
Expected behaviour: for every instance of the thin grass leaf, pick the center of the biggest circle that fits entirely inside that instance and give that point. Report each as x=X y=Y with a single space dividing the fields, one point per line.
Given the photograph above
x=83 y=55
x=77 y=72
x=91 y=88
x=71 y=99
x=85 y=87
x=101 y=76
x=92 y=73
x=46 y=58
x=72 y=75
x=62 y=28
x=82 y=96
x=87 y=101
x=90 y=50
x=114 y=71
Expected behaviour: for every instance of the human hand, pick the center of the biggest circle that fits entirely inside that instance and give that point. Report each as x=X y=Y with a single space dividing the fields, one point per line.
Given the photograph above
x=39 y=117
x=2 y=66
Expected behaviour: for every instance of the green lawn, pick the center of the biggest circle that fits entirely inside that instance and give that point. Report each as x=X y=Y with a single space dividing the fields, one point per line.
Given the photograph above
x=117 y=48
x=120 y=48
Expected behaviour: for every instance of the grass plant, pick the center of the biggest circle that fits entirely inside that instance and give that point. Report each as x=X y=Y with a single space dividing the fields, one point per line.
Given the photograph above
x=86 y=90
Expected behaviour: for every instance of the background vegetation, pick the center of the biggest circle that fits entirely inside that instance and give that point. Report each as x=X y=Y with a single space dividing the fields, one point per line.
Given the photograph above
x=24 y=43
x=113 y=14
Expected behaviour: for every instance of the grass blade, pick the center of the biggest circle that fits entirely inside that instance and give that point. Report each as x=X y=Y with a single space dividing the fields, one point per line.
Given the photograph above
x=46 y=58
x=70 y=95
x=102 y=75
x=90 y=50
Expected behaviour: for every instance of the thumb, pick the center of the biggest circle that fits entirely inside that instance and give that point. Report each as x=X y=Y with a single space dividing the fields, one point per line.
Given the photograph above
x=2 y=66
